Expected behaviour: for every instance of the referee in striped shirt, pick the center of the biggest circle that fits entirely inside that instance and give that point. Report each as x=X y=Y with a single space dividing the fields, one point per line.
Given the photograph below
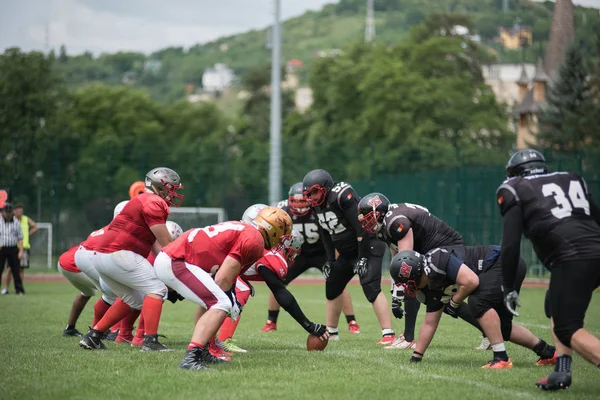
x=11 y=245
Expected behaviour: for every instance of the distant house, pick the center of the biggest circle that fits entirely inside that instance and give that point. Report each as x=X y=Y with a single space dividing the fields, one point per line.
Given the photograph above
x=515 y=37
x=303 y=98
x=503 y=79
x=217 y=78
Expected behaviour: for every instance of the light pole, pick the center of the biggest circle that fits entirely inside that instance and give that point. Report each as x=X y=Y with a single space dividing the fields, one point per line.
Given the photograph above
x=275 y=134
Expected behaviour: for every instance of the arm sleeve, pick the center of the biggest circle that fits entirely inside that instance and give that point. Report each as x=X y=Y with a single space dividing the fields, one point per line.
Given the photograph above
x=511 y=241
x=327 y=243
x=348 y=201
x=155 y=213
x=283 y=296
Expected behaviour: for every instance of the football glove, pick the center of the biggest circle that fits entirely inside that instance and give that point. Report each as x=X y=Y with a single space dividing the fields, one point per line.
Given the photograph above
x=327 y=269
x=451 y=308
x=318 y=330
x=511 y=301
x=173 y=296
x=397 y=307
x=360 y=267
x=236 y=309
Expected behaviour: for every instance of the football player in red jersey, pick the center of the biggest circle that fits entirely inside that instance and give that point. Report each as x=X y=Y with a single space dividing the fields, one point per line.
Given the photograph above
x=120 y=257
x=271 y=269
x=190 y=262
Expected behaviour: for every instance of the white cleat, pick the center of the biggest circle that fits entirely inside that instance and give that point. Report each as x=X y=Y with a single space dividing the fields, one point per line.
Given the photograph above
x=401 y=343
x=334 y=337
x=485 y=345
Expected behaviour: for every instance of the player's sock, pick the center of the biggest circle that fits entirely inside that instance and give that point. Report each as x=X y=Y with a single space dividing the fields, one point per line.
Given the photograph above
x=194 y=344
x=563 y=363
x=411 y=307
x=273 y=315
x=69 y=327
x=116 y=313
x=332 y=330
x=387 y=332
x=350 y=318
x=126 y=325
x=500 y=352
x=228 y=328
x=100 y=308
x=543 y=350
x=139 y=332
x=151 y=310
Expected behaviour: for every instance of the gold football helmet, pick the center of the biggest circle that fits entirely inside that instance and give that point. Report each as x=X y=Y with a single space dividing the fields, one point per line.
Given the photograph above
x=275 y=225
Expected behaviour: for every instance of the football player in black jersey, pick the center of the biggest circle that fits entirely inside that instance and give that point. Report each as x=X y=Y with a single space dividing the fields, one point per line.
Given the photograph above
x=555 y=211
x=443 y=281
x=406 y=226
x=335 y=205
x=312 y=255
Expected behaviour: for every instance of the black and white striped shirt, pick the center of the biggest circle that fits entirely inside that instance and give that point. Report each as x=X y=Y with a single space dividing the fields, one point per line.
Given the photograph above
x=10 y=232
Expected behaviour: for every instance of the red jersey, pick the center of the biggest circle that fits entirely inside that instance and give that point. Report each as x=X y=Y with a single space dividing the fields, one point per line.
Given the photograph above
x=273 y=261
x=92 y=241
x=130 y=230
x=208 y=247
x=151 y=257
x=67 y=260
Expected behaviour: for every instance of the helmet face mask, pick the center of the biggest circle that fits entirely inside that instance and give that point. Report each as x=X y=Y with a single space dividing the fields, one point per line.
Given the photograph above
x=165 y=183
x=315 y=195
x=292 y=246
x=297 y=201
x=407 y=269
x=371 y=211
x=316 y=185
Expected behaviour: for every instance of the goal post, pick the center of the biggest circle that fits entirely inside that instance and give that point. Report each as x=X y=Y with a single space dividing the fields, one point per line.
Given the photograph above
x=40 y=253
x=197 y=217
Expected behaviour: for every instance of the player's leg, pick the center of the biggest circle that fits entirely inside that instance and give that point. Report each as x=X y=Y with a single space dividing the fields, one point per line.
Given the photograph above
x=523 y=337
x=348 y=310
x=242 y=293
x=86 y=290
x=341 y=273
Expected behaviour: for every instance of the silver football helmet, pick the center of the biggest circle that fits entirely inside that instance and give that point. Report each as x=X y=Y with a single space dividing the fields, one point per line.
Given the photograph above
x=251 y=212
x=174 y=229
x=119 y=207
x=165 y=182
x=292 y=245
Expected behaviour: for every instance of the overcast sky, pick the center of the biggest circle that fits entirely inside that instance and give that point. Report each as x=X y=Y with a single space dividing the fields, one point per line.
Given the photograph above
x=138 y=25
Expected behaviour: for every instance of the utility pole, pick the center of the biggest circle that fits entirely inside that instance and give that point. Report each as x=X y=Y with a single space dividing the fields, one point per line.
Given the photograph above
x=370 y=23
x=275 y=135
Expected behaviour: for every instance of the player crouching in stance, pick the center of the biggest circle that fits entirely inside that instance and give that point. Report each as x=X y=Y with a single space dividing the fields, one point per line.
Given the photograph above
x=120 y=258
x=190 y=262
x=443 y=281
x=556 y=212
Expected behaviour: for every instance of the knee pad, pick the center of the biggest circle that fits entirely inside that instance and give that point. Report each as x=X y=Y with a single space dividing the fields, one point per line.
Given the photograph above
x=333 y=290
x=477 y=307
x=564 y=332
x=371 y=290
x=547 y=308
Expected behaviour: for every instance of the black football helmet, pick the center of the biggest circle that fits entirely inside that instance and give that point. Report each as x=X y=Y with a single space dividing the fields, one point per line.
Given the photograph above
x=371 y=210
x=297 y=200
x=526 y=162
x=315 y=185
x=407 y=268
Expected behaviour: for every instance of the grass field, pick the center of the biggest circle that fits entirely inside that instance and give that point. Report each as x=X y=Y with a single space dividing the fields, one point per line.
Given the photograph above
x=37 y=363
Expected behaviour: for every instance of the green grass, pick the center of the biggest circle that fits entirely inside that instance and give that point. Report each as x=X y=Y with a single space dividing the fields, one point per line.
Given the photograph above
x=37 y=363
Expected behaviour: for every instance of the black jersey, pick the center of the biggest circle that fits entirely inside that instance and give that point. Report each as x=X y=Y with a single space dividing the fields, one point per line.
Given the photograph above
x=429 y=231
x=338 y=218
x=307 y=226
x=556 y=215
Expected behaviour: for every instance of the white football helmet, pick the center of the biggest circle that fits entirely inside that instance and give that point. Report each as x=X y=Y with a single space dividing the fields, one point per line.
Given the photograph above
x=174 y=229
x=119 y=207
x=292 y=245
x=251 y=212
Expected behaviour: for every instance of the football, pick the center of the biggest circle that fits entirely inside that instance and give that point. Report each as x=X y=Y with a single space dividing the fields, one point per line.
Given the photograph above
x=313 y=343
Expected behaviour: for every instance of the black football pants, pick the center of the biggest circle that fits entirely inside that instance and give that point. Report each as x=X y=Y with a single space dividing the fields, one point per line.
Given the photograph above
x=11 y=254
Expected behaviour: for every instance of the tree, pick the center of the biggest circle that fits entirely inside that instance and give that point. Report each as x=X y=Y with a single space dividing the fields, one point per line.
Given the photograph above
x=569 y=121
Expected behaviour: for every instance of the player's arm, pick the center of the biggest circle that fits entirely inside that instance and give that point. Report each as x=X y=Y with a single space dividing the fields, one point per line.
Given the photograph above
x=512 y=217
x=400 y=230
x=163 y=237
x=327 y=243
x=227 y=273
x=426 y=332
x=348 y=201
x=407 y=242
x=33 y=228
x=467 y=281
x=155 y=215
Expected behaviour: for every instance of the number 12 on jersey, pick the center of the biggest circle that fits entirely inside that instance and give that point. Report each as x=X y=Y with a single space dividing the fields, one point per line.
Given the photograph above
x=566 y=203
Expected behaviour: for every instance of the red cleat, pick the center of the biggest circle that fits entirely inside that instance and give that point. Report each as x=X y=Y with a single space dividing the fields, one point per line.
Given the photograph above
x=353 y=327
x=548 y=361
x=269 y=327
x=216 y=351
x=499 y=364
x=555 y=381
x=387 y=339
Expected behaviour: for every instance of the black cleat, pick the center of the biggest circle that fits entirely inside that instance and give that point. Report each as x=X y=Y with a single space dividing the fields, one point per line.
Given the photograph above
x=151 y=343
x=193 y=360
x=71 y=332
x=110 y=336
x=91 y=340
x=206 y=357
x=555 y=381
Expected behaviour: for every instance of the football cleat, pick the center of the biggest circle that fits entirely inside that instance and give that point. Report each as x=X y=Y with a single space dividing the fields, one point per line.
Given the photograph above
x=230 y=346
x=269 y=327
x=137 y=341
x=91 y=340
x=71 y=332
x=485 y=345
x=193 y=360
x=499 y=364
x=207 y=357
x=151 y=343
x=401 y=343
x=387 y=339
x=215 y=351
x=555 y=381
x=124 y=338
x=110 y=336
x=548 y=361
x=353 y=327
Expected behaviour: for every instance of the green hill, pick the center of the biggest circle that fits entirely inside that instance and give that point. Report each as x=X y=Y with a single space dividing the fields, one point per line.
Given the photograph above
x=334 y=26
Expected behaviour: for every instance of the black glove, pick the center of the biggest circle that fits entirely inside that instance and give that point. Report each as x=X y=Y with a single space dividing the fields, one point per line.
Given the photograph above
x=327 y=269
x=360 y=267
x=173 y=296
x=397 y=308
x=316 y=329
x=451 y=308
x=180 y=297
